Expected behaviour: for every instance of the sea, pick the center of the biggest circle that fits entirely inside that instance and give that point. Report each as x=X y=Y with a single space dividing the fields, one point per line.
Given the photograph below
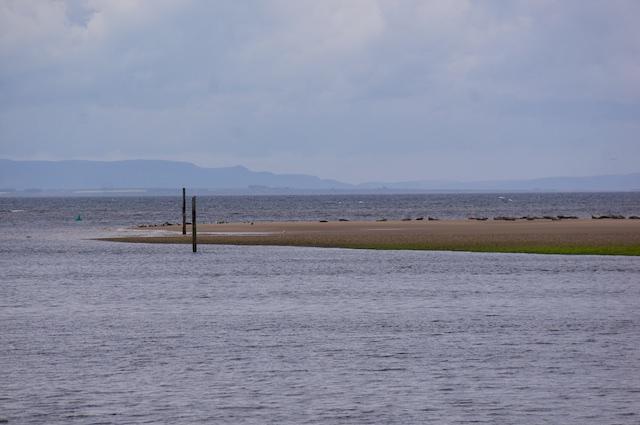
x=95 y=332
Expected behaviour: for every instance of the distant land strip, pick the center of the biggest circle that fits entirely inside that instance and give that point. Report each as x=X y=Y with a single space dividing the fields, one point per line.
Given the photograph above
x=149 y=177
x=581 y=236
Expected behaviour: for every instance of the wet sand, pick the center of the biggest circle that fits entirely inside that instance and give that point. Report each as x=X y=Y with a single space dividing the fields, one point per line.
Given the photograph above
x=582 y=236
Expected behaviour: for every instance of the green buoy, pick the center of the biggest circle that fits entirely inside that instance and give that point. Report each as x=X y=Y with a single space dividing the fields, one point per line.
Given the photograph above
x=78 y=218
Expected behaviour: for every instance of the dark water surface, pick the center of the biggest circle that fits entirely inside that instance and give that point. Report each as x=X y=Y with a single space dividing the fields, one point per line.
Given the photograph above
x=98 y=332
x=136 y=210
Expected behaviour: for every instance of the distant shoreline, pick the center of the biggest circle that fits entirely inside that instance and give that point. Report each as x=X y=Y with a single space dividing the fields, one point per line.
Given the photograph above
x=105 y=178
x=271 y=192
x=582 y=236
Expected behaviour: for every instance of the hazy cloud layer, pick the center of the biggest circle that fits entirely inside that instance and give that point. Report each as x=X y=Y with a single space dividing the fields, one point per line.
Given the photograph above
x=355 y=90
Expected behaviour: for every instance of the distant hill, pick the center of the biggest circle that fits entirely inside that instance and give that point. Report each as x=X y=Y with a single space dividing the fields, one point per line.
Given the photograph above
x=75 y=175
x=151 y=174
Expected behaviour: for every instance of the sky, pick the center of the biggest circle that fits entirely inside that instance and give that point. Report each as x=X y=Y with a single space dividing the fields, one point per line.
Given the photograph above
x=356 y=90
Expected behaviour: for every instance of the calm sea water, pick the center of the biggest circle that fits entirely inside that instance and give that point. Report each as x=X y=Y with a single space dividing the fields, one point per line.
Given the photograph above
x=98 y=332
x=132 y=210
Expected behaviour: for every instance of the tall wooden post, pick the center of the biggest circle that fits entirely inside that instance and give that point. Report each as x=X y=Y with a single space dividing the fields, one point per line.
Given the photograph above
x=184 y=211
x=194 y=235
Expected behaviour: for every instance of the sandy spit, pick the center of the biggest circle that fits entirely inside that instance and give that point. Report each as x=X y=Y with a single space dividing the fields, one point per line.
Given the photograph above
x=445 y=234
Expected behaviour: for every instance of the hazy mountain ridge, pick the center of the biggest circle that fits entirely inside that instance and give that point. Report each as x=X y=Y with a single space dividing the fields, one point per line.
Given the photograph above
x=147 y=174
x=76 y=175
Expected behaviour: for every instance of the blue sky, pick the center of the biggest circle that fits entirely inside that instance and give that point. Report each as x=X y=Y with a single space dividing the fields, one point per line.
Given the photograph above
x=356 y=90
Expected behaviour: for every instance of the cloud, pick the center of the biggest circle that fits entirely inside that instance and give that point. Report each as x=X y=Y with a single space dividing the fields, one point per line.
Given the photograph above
x=428 y=82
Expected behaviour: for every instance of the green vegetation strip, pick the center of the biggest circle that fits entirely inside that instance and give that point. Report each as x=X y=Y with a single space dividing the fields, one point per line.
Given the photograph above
x=564 y=249
x=523 y=249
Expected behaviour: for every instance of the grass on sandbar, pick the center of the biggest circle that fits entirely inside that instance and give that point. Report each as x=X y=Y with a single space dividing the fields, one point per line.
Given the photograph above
x=540 y=248
x=629 y=250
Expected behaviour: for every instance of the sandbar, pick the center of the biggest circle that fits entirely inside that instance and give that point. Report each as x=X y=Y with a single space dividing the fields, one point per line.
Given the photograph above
x=582 y=236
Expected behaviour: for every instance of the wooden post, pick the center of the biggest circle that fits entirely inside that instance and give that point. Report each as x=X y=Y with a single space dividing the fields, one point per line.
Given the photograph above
x=184 y=211
x=194 y=236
